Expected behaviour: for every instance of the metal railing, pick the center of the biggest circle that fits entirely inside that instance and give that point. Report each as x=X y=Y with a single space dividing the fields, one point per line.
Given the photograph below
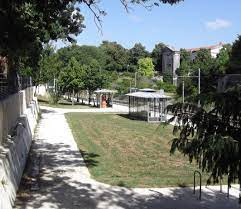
x=194 y=183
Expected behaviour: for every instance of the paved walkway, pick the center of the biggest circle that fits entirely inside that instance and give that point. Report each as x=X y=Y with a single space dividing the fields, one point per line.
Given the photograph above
x=115 y=109
x=66 y=183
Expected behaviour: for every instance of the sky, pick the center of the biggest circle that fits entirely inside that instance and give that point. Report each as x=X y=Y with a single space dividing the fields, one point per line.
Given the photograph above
x=189 y=24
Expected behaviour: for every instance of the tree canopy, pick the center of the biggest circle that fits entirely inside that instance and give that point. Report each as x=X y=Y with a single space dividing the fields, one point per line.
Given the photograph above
x=146 y=67
x=27 y=25
x=157 y=56
x=210 y=134
x=235 y=58
x=115 y=55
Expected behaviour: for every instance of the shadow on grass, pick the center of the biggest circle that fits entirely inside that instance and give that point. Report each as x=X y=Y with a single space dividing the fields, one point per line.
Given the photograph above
x=89 y=158
x=131 y=117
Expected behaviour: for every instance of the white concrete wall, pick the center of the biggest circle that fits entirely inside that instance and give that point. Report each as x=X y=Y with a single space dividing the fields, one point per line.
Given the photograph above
x=216 y=51
x=41 y=90
x=18 y=118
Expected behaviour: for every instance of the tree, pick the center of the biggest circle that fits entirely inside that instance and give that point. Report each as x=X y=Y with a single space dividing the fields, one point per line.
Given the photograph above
x=94 y=78
x=116 y=56
x=235 y=59
x=83 y=54
x=210 y=133
x=211 y=136
x=146 y=67
x=223 y=60
x=71 y=79
x=49 y=65
x=157 y=56
x=203 y=61
x=136 y=53
x=185 y=63
x=26 y=25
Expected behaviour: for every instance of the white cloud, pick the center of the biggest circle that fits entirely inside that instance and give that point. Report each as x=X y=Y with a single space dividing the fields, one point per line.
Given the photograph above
x=218 y=24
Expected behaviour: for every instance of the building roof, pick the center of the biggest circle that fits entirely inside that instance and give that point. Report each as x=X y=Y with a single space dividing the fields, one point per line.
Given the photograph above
x=172 y=48
x=205 y=47
x=148 y=95
x=105 y=91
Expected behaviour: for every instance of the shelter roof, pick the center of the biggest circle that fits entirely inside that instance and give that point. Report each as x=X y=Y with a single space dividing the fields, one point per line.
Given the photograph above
x=105 y=91
x=148 y=95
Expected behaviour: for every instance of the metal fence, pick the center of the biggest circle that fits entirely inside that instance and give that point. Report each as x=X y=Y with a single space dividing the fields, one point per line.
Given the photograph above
x=7 y=89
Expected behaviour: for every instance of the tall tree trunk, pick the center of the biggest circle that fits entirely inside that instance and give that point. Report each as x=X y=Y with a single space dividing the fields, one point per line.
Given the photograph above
x=89 y=97
x=78 y=97
x=73 y=98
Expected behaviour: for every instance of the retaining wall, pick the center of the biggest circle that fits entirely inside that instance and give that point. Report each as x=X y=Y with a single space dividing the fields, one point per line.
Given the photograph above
x=18 y=118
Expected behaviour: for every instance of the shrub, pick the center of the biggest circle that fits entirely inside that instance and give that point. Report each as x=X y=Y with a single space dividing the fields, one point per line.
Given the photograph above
x=166 y=86
x=54 y=97
x=167 y=76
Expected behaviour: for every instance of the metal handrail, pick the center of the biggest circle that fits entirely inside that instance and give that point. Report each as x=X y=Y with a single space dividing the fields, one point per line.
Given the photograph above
x=194 y=183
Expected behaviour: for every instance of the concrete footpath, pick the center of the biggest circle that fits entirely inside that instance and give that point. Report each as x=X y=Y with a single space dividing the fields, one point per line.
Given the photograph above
x=65 y=181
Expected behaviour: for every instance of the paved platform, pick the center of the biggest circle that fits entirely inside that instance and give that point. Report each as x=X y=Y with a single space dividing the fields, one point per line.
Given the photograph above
x=66 y=183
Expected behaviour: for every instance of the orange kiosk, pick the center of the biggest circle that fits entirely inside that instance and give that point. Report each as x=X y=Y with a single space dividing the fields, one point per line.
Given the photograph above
x=104 y=97
x=103 y=101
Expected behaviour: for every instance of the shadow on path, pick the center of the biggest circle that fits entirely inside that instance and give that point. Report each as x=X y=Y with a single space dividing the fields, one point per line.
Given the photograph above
x=63 y=181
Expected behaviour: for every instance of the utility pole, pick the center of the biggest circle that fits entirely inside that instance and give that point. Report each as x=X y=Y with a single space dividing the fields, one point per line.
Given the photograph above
x=183 y=92
x=199 y=85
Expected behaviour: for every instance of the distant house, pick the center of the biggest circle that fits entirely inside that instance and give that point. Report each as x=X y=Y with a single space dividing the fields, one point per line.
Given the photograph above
x=214 y=49
x=171 y=61
x=171 y=57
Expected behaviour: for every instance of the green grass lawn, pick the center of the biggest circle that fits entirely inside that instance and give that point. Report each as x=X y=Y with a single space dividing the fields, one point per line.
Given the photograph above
x=124 y=152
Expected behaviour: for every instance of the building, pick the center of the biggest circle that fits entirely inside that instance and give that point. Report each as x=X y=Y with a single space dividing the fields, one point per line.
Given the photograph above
x=171 y=61
x=171 y=57
x=214 y=49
